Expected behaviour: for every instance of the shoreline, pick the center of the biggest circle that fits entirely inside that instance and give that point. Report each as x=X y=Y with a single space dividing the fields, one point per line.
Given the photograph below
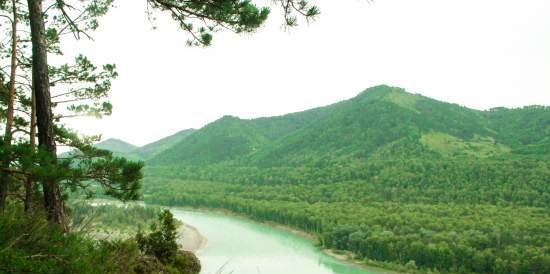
x=339 y=255
x=190 y=238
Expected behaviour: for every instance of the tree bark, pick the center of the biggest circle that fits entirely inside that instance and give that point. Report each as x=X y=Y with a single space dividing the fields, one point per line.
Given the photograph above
x=4 y=178
x=46 y=138
x=29 y=184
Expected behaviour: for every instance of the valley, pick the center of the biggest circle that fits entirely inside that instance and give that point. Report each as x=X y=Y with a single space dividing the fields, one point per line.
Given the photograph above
x=399 y=179
x=274 y=137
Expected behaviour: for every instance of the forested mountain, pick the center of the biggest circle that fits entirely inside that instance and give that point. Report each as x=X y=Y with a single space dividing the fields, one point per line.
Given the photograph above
x=365 y=127
x=231 y=138
x=395 y=177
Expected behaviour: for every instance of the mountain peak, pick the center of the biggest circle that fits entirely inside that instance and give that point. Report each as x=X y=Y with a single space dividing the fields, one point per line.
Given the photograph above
x=395 y=95
x=383 y=91
x=230 y=117
x=116 y=145
x=114 y=141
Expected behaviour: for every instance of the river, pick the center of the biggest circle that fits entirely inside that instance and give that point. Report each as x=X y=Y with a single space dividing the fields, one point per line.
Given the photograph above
x=240 y=246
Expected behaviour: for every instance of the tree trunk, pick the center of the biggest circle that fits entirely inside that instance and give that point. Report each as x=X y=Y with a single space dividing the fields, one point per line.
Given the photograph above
x=29 y=184
x=4 y=177
x=46 y=139
x=29 y=192
x=11 y=88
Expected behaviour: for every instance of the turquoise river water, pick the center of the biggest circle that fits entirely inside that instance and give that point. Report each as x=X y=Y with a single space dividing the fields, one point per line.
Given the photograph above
x=240 y=246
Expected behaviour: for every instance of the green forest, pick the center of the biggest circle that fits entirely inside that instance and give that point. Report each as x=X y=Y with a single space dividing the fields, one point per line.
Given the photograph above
x=393 y=177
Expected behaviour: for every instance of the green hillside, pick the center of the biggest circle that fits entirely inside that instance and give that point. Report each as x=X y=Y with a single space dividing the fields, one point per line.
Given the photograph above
x=358 y=129
x=231 y=138
x=526 y=129
x=150 y=150
x=224 y=140
x=399 y=179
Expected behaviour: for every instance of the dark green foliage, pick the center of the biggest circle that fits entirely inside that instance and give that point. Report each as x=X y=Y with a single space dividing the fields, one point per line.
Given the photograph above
x=90 y=166
x=437 y=227
x=161 y=244
x=186 y=261
x=240 y=16
x=31 y=245
x=200 y=19
x=522 y=126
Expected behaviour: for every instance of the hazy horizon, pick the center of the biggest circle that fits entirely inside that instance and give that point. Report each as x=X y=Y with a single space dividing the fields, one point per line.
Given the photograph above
x=476 y=54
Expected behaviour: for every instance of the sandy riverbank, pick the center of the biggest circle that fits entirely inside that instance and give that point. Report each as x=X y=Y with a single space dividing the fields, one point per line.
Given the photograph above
x=190 y=239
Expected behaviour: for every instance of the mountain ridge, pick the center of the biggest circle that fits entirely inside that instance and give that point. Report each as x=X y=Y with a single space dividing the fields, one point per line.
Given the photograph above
x=379 y=124
x=348 y=129
x=125 y=149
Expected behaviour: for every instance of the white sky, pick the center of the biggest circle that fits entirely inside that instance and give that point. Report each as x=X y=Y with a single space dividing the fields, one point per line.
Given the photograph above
x=477 y=53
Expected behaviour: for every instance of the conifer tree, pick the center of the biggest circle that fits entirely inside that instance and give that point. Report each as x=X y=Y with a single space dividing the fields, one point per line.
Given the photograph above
x=80 y=89
x=48 y=20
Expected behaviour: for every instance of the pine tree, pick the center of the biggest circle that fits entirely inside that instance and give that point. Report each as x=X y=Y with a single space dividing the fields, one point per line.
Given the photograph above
x=119 y=177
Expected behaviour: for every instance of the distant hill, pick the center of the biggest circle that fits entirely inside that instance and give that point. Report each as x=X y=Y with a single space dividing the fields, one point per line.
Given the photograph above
x=362 y=128
x=116 y=146
x=124 y=149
